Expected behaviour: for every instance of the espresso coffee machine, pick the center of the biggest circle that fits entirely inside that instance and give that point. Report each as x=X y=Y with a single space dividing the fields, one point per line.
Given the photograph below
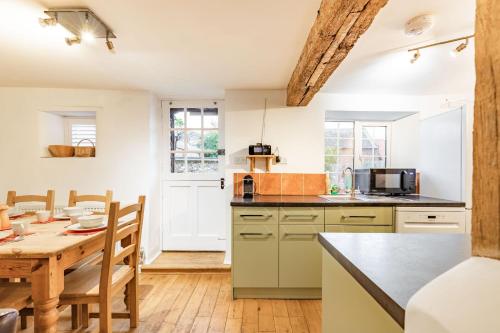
x=248 y=187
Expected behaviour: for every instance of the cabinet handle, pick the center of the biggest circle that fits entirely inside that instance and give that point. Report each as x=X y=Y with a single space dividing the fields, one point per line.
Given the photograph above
x=256 y=234
x=293 y=217
x=358 y=216
x=314 y=234
x=255 y=216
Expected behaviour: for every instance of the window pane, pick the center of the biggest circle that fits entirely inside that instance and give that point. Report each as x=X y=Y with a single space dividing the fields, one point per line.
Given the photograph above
x=194 y=162
x=193 y=116
x=210 y=118
x=83 y=135
x=211 y=140
x=177 y=140
x=177 y=118
x=193 y=140
x=177 y=164
x=211 y=162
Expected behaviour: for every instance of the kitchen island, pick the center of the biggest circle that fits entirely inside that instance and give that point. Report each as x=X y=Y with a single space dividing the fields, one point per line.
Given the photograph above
x=368 y=279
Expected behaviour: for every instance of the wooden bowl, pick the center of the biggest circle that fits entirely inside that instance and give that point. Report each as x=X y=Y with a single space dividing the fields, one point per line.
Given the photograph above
x=61 y=151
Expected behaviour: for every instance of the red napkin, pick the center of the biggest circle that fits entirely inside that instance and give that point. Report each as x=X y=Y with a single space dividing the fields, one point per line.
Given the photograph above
x=50 y=220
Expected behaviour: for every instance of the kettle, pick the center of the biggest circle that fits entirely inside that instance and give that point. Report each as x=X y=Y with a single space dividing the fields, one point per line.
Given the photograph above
x=248 y=187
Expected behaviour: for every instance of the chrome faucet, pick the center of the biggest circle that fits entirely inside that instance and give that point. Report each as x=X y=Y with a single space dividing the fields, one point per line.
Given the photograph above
x=351 y=170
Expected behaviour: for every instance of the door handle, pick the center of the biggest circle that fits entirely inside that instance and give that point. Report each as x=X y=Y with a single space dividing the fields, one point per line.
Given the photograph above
x=358 y=216
x=255 y=216
x=313 y=234
x=243 y=234
x=292 y=217
x=222 y=183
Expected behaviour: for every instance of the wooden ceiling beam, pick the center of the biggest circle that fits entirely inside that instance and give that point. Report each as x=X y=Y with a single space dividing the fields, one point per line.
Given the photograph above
x=338 y=26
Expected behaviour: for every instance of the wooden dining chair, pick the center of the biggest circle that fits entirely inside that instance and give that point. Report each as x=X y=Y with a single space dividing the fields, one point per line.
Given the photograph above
x=74 y=198
x=97 y=284
x=13 y=199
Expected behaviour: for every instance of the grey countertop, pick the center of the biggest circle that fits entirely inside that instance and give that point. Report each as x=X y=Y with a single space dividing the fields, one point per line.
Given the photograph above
x=361 y=200
x=393 y=267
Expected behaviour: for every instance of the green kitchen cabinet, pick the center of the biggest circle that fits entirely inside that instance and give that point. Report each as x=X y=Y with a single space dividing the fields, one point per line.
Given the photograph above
x=359 y=216
x=300 y=256
x=359 y=228
x=255 y=256
x=255 y=215
x=302 y=215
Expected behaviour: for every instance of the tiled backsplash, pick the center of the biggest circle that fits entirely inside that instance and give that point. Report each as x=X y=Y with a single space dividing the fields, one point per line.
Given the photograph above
x=283 y=183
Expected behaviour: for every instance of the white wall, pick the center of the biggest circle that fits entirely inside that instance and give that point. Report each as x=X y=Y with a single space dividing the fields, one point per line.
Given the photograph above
x=299 y=131
x=127 y=149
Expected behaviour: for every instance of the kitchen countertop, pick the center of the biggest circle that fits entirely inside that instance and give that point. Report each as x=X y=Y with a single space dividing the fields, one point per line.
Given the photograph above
x=363 y=200
x=393 y=267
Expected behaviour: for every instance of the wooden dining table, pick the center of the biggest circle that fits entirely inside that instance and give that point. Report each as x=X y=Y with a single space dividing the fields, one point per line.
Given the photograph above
x=42 y=258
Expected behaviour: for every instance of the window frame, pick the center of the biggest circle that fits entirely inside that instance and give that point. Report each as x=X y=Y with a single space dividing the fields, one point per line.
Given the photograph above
x=205 y=104
x=70 y=121
x=358 y=137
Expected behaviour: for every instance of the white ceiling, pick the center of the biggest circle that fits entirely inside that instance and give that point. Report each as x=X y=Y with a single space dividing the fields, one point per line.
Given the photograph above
x=379 y=62
x=175 y=48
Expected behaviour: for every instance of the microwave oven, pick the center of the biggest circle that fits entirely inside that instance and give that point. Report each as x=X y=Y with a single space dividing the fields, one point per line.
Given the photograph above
x=386 y=181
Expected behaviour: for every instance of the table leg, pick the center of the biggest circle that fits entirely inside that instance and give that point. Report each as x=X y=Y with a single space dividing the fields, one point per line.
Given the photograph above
x=46 y=315
x=47 y=284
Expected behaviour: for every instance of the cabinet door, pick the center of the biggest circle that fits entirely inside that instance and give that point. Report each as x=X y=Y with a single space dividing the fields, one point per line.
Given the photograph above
x=359 y=215
x=255 y=256
x=301 y=215
x=300 y=256
x=359 y=228
x=255 y=215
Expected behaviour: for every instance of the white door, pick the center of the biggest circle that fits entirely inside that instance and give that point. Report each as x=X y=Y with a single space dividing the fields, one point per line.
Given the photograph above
x=193 y=187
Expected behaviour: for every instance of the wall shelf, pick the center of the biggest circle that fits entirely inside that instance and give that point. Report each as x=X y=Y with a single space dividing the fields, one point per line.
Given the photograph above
x=270 y=159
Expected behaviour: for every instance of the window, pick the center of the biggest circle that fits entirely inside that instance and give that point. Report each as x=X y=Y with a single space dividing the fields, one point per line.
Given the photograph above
x=194 y=139
x=81 y=131
x=355 y=145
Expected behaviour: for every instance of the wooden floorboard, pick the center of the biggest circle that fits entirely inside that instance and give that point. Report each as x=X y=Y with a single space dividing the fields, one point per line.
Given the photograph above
x=202 y=303
x=194 y=262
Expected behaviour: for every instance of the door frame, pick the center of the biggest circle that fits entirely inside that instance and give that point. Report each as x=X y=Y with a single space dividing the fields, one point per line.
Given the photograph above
x=168 y=176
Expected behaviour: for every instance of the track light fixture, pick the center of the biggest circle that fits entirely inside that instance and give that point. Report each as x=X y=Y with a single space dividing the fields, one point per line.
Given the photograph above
x=416 y=55
x=454 y=52
x=47 y=22
x=82 y=23
x=73 y=40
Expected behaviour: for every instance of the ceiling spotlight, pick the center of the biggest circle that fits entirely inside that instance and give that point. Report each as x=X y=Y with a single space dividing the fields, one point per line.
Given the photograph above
x=87 y=36
x=109 y=44
x=416 y=55
x=455 y=52
x=47 y=22
x=73 y=40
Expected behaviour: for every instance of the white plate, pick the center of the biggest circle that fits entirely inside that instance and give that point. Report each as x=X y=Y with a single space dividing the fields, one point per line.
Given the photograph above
x=63 y=216
x=78 y=227
x=14 y=214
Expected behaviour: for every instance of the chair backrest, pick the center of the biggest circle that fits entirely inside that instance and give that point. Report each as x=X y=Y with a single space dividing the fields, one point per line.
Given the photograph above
x=126 y=231
x=13 y=199
x=74 y=198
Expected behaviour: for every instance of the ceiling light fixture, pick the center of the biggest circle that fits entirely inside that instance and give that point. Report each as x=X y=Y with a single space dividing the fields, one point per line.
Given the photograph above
x=458 y=49
x=82 y=23
x=109 y=45
x=416 y=55
x=73 y=40
x=47 y=22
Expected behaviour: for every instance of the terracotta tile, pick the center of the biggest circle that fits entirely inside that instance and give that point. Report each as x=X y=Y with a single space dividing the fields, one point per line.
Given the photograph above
x=292 y=184
x=240 y=182
x=270 y=184
x=314 y=184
